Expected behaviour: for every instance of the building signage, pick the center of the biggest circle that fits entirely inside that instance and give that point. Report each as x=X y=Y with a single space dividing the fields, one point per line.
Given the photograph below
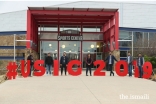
x=70 y=38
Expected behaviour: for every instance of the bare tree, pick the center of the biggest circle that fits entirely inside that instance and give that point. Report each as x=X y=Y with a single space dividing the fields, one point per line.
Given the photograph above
x=145 y=46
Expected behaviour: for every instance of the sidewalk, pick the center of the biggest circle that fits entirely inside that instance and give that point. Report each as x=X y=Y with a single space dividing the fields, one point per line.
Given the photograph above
x=76 y=90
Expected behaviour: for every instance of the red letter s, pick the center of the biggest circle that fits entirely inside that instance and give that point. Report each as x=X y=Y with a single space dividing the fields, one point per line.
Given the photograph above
x=41 y=68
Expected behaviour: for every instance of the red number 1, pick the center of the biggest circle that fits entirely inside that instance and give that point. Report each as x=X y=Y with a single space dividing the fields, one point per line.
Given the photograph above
x=136 y=70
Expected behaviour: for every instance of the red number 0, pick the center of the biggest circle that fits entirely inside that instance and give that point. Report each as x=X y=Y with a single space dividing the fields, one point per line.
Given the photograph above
x=98 y=72
x=117 y=66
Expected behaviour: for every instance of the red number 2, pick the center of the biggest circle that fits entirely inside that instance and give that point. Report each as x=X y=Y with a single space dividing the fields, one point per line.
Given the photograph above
x=98 y=72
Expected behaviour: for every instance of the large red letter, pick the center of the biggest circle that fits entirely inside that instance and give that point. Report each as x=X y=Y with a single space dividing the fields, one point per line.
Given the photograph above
x=117 y=68
x=38 y=67
x=147 y=70
x=98 y=72
x=70 y=70
x=56 y=68
x=25 y=74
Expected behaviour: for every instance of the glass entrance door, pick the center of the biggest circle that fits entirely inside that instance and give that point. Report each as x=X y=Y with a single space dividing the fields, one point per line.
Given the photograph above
x=72 y=49
x=49 y=47
x=95 y=49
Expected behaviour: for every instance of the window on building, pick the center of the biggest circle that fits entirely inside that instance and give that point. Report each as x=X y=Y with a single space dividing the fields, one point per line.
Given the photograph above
x=152 y=37
x=138 y=39
x=76 y=28
x=123 y=53
x=125 y=43
x=125 y=35
x=52 y=28
x=91 y=29
x=145 y=39
x=137 y=36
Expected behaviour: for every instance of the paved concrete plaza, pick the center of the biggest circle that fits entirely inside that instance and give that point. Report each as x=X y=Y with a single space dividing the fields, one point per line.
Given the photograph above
x=76 y=90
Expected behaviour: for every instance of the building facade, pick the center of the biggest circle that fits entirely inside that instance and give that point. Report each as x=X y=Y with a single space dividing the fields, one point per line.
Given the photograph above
x=136 y=23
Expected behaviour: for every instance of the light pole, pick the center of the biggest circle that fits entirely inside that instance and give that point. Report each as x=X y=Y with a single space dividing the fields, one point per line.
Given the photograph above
x=15 y=44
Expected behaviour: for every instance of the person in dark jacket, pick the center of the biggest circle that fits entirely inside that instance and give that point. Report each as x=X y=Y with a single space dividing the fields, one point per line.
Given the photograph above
x=63 y=63
x=49 y=64
x=129 y=61
x=110 y=60
x=140 y=64
x=30 y=57
x=88 y=65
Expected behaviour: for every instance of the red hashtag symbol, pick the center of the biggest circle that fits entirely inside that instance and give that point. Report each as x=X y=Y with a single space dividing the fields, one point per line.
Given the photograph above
x=11 y=70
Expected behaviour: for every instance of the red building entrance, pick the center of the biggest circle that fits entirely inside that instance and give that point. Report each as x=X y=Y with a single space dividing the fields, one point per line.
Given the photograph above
x=76 y=31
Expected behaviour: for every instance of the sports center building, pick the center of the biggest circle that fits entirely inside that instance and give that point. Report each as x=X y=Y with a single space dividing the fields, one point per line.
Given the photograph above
x=77 y=28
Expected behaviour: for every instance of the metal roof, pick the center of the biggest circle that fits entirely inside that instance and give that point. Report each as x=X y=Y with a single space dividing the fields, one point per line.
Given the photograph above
x=71 y=16
x=74 y=9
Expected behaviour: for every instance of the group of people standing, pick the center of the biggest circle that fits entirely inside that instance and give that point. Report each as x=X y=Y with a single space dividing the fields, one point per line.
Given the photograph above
x=140 y=62
x=89 y=61
x=49 y=63
x=110 y=62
